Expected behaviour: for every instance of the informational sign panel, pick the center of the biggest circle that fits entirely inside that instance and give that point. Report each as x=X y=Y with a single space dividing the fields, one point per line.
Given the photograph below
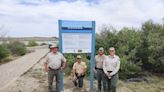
x=76 y=43
x=78 y=37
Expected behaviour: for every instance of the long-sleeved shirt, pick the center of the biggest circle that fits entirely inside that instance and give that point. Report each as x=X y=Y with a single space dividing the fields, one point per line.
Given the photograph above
x=111 y=63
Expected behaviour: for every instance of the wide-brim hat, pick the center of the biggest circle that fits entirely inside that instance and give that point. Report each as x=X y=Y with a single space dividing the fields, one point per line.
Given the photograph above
x=54 y=46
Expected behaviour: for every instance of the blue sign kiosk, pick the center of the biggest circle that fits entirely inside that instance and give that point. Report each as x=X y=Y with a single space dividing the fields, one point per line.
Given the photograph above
x=78 y=37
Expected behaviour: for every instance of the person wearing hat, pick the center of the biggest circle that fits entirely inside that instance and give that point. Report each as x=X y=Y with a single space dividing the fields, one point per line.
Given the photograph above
x=111 y=66
x=54 y=65
x=79 y=69
x=99 y=59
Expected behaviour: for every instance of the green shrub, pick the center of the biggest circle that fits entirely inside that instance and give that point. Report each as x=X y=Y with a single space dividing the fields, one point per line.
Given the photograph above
x=3 y=52
x=70 y=61
x=7 y=59
x=32 y=43
x=128 y=69
x=17 y=48
x=43 y=44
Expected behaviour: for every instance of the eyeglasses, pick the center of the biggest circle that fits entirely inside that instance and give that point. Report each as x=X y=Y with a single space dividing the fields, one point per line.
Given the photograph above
x=111 y=51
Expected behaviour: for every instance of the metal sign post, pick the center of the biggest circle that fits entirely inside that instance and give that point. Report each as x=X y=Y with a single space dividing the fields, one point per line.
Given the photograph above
x=78 y=37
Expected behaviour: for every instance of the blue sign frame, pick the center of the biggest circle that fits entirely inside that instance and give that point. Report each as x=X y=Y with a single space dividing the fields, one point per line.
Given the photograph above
x=66 y=26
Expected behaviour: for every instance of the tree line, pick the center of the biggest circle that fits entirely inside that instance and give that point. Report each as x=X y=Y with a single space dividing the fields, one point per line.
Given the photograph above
x=139 y=49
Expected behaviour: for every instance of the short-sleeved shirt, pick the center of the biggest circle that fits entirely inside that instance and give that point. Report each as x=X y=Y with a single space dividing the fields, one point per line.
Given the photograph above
x=79 y=67
x=99 y=61
x=54 y=60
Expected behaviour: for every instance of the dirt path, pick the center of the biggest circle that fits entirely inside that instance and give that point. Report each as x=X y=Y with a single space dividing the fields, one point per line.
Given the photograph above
x=11 y=71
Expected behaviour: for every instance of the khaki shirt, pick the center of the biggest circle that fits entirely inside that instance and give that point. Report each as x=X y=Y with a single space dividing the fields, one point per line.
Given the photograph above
x=111 y=64
x=99 y=61
x=54 y=60
x=79 y=67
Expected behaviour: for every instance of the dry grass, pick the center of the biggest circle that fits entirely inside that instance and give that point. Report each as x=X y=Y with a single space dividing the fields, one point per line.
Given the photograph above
x=154 y=84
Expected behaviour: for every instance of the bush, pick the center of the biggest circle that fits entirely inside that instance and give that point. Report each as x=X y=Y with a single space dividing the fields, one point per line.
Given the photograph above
x=32 y=43
x=129 y=69
x=17 y=48
x=70 y=61
x=43 y=44
x=151 y=50
x=3 y=52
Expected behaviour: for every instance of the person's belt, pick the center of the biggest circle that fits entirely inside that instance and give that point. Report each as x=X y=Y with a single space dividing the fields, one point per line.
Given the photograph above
x=53 y=69
x=78 y=75
x=98 y=68
x=109 y=71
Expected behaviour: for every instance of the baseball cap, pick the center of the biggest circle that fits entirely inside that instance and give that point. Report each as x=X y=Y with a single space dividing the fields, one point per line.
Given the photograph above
x=101 y=49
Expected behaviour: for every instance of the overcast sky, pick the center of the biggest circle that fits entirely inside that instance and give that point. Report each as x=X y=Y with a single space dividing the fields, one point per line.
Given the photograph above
x=24 y=18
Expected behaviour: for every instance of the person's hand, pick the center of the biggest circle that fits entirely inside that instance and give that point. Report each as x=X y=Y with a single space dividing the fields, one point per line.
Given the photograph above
x=95 y=71
x=82 y=73
x=109 y=76
x=78 y=74
x=74 y=77
x=62 y=68
x=46 y=69
x=106 y=74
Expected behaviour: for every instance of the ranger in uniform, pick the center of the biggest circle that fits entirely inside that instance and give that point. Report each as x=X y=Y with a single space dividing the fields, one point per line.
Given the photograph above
x=99 y=69
x=79 y=69
x=54 y=65
x=111 y=66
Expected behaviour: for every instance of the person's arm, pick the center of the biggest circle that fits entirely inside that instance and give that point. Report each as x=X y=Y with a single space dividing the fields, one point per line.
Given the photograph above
x=104 y=67
x=117 y=68
x=74 y=71
x=63 y=66
x=85 y=68
x=46 y=67
x=46 y=64
x=64 y=62
x=95 y=65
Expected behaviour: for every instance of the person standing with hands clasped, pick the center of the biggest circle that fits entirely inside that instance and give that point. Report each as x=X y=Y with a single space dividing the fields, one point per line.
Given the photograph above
x=99 y=59
x=54 y=65
x=111 y=66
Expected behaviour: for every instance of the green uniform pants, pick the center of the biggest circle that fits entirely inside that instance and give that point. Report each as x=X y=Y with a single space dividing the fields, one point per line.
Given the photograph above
x=51 y=74
x=111 y=83
x=101 y=80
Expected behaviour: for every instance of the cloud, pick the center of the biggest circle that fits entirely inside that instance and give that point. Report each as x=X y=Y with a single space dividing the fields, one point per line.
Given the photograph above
x=40 y=17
